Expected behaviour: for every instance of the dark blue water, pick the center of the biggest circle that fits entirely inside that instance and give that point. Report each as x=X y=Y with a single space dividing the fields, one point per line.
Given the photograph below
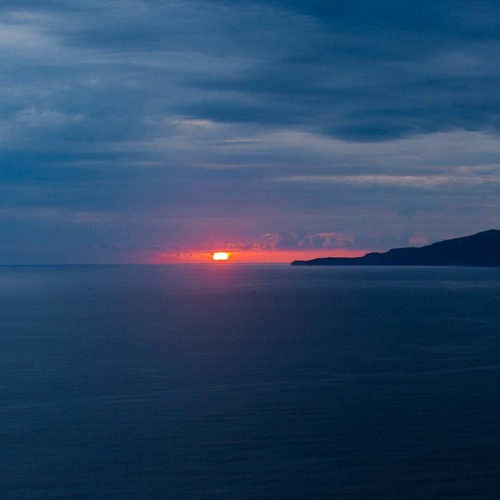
x=236 y=382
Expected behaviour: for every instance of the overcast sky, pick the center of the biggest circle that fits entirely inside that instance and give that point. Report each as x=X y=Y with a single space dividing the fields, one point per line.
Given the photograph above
x=159 y=130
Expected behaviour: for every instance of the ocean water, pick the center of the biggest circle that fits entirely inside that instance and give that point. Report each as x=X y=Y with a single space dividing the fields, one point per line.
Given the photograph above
x=249 y=382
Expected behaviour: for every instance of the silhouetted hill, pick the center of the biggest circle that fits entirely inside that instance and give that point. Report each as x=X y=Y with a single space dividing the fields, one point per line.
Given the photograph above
x=481 y=249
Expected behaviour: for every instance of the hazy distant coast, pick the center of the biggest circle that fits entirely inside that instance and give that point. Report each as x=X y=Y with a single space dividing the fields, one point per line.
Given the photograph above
x=481 y=249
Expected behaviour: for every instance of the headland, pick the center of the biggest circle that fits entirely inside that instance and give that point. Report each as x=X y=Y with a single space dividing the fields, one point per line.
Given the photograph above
x=480 y=249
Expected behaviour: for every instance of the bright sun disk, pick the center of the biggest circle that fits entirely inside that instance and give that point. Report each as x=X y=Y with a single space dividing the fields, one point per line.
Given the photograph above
x=220 y=256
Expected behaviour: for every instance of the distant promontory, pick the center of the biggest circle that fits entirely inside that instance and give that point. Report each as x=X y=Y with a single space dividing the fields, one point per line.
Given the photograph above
x=481 y=249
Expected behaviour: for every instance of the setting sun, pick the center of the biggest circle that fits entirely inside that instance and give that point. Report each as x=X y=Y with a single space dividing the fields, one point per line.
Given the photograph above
x=220 y=256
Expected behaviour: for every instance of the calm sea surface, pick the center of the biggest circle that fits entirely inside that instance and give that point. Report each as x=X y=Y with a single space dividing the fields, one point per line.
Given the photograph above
x=249 y=382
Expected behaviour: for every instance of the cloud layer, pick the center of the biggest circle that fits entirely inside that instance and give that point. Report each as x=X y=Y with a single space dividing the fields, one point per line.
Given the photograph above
x=131 y=127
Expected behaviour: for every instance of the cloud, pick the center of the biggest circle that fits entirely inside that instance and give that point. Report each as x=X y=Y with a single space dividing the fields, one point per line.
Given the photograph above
x=407 y=181
x=200 y=121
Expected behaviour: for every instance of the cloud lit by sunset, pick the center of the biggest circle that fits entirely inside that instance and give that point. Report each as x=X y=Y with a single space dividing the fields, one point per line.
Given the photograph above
x=294 y=245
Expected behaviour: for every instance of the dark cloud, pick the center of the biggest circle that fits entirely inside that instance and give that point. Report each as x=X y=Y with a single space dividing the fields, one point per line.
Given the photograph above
x=376 y=71
x=155 y=124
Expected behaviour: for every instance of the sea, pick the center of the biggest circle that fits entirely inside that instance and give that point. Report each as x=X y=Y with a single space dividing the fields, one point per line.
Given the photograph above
x=227 y=381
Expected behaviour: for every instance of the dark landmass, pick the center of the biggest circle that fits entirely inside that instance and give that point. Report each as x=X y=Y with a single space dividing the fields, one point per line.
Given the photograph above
x=481 y=249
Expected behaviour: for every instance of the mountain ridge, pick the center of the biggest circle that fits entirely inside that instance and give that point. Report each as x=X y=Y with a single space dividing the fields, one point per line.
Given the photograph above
x=479 y=249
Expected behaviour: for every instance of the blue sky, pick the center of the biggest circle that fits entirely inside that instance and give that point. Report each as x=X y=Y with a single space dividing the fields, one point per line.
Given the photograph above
x=134 y=130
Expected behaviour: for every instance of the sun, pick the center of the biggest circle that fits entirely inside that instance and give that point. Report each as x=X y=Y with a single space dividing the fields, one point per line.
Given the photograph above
x=220 y=256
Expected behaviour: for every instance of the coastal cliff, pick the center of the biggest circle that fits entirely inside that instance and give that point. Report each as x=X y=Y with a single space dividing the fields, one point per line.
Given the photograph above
x=481 y=249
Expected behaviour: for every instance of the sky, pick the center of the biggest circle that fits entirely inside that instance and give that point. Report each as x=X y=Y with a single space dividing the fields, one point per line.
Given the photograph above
x=161 y=131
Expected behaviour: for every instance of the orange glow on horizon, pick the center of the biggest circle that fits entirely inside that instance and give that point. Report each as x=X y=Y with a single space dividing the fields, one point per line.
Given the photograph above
x=250 y=256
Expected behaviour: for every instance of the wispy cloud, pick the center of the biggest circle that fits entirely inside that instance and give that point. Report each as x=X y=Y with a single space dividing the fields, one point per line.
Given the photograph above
x=412 y=181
